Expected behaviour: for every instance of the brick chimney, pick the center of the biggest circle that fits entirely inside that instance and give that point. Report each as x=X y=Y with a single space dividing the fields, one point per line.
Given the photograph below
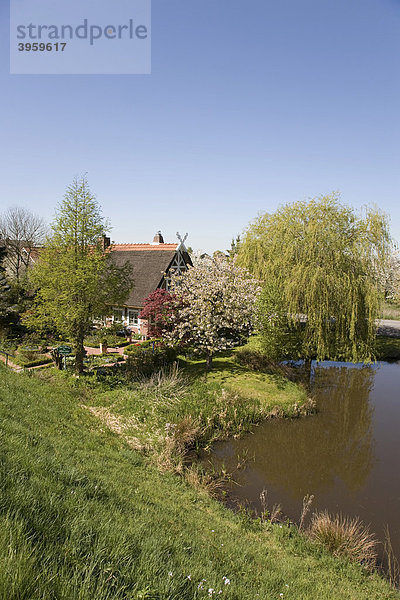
x=158 y=238
x=105 y=242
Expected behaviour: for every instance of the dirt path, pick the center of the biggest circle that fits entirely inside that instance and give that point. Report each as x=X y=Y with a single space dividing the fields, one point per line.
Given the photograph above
x=96 y=351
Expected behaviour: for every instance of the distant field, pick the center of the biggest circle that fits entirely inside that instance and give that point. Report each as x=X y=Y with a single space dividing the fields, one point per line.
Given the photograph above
x=391 y=310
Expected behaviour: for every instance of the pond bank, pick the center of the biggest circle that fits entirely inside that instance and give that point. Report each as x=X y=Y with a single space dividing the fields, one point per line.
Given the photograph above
x=345 y=455
x=85 y=515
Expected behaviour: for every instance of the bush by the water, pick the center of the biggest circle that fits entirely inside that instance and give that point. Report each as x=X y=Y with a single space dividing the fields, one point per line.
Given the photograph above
x=254 y=360
x=257 y=361
x=146 y=358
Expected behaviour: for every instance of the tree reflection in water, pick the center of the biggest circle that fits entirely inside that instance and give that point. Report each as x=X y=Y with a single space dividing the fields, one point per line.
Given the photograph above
x=310 y=455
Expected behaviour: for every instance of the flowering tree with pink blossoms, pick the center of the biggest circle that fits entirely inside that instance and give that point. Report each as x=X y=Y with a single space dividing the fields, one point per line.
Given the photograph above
x=214 y=307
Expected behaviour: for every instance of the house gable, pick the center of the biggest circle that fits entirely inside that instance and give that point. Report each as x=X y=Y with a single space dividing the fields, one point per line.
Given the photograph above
x=151 y=266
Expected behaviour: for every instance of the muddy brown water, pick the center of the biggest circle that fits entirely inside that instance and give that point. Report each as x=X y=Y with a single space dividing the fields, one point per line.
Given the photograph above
x=347 y=455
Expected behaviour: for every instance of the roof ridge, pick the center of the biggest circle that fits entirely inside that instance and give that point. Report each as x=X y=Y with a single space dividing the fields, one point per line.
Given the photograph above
x=143 y=244
x=147 y=246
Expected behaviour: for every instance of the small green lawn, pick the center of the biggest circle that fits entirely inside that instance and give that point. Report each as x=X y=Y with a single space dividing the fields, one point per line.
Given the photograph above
x=271 y=390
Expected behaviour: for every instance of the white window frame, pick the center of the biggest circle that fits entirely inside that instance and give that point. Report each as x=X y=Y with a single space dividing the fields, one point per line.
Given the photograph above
x=133 y=322
x=117 y=320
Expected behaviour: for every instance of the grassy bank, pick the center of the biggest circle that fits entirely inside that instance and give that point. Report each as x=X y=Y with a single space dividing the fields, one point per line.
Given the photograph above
x=182 y=408
x=85 y=516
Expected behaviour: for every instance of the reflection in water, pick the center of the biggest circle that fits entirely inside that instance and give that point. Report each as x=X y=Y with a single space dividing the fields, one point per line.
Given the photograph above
x=347 y=455
x=309 y=455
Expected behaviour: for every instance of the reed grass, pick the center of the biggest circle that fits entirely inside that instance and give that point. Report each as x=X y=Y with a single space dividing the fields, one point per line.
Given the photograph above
x=344 y=536
x=392 y=564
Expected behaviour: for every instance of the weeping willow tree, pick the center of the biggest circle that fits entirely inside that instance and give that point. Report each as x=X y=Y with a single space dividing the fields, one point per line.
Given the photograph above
x=320 y=263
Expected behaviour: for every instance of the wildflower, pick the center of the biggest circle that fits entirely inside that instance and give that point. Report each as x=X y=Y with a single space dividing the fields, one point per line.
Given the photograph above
x=189 y=577
x=281 y=595
x=170 y=428
x=210 y=592
x=226 y=580
x=170 y=573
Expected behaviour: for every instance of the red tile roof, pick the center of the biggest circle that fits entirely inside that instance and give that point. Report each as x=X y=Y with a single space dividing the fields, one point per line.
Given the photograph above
x=133 y=247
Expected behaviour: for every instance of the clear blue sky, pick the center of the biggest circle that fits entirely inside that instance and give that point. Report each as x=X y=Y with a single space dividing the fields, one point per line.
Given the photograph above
x=250 y=104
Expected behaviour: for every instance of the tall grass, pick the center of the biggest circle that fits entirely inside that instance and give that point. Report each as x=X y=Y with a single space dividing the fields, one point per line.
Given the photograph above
x=307 y=501
x=343 y=536
x=392 y=564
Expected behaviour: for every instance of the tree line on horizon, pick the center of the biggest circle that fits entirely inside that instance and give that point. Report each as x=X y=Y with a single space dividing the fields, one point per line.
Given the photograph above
x=309 y=277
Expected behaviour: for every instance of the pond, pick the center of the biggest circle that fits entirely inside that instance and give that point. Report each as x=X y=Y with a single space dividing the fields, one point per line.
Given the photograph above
x=347 y=455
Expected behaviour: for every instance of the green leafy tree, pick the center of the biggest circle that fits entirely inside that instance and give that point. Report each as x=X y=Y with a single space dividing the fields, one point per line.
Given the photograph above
x=234 y=249
x=75 y=277
x=320 y=263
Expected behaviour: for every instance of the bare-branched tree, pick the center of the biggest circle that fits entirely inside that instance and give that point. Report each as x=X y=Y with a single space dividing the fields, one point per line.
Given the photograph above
x=21 y=232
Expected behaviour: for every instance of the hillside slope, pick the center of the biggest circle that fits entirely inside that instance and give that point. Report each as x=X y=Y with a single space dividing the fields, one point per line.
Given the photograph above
x=83 y=516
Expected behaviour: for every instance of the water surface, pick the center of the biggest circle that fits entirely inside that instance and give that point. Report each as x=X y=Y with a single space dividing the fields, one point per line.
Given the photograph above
x=347 y=455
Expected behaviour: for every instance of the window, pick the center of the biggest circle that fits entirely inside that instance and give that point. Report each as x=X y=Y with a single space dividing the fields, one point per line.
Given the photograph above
x=133 y=317
x=117 y=315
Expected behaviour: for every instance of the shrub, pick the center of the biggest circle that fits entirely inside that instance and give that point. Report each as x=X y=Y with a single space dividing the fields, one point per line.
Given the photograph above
x=387 y=348
x=143 y=360
x=95 y=361
x=254 y=360
x=105 y=335
x=32 y=360
x=343 y=536
x=131 y=348
x=148 y=344
x=257 y=361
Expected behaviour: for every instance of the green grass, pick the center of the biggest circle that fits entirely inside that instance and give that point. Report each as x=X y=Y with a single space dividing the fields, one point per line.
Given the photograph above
x=390 y=310
x=202 y=408
x=271 y=390
x=85 y=517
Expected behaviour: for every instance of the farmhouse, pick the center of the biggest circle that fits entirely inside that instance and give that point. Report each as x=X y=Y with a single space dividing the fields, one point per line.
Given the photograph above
x=152 y=266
